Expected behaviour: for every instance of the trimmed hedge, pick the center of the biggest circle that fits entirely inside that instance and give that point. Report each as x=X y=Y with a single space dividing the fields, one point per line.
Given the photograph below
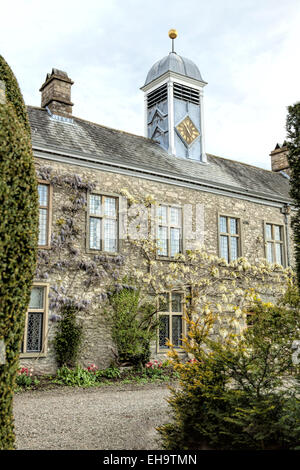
x=18 y=238
x=293 y=144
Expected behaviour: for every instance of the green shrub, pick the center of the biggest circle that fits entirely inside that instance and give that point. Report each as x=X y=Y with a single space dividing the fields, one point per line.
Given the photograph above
x=133 y=326
x=68 y=338
x=18 y=238
x=237 y=394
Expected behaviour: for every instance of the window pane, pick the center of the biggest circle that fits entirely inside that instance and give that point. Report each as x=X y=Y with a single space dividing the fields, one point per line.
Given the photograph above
x=233 y=226
x=278 y=252
x=175 y=241
x=34 y=332
x=234 y=247
x=176 y=330
x=277 y=230
x=223 y=224
x=162 y=214
x=175 y=216
x=270 y=252
x=95 y=204
x=164 y=331
x=268 y=232
x=176 y=303
x=164 y=303
x=43 y=194
x=43 y=217
x=224 y=247
x=37 y=298
x=110 y=235
x=95 y=233
x=110 y=206
x=163 y=241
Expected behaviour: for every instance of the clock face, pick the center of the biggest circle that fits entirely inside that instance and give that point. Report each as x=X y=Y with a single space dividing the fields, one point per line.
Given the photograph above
x=187 y=130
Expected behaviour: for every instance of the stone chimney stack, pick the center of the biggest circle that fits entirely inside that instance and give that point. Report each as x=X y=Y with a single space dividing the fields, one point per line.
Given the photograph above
x=279 y=161
x=56 y=93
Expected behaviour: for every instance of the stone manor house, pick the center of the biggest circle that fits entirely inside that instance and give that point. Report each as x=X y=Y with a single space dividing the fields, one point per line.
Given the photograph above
x=242 y=210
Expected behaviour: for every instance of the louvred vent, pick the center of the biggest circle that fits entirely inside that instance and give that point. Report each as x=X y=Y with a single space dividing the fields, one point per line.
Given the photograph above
x=157 y=96
x=185 y=93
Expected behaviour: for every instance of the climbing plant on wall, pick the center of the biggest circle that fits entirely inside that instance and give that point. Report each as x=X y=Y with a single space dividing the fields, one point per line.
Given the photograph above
x=83 y=281
x=18 y=237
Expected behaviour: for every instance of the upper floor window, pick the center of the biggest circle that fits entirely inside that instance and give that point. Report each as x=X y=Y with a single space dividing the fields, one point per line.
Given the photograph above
x=170 y=319
x=229 y=238
x=44 y=214
x=102 y=223
x=169 y=230
x=274 y=243
x=36 y=322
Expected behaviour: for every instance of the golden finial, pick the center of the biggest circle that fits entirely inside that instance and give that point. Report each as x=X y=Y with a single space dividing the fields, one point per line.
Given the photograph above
x=173 y=35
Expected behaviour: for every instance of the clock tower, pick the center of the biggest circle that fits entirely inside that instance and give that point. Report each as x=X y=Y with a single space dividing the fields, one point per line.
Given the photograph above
x=174 y=106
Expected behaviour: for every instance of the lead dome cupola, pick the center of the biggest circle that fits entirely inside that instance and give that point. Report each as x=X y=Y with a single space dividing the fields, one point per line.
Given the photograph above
x=173 y=106
x=174 y=63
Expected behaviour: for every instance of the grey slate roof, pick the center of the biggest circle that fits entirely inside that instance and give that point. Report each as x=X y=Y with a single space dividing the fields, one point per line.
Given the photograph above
x=173 y=63
x=139 y=154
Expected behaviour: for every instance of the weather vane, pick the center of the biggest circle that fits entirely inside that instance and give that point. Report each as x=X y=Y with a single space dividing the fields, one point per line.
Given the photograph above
x=173 y=35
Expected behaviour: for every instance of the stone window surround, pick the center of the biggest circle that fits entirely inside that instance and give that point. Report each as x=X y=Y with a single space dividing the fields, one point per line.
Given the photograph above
x=273 y=241
x=47 y=246
x=103 y=194
x=45 y=310
x=239 y=235
x=171 y=314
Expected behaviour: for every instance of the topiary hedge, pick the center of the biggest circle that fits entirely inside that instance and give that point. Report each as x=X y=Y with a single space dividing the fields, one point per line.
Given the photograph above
x=18 y=237
x=293 y=144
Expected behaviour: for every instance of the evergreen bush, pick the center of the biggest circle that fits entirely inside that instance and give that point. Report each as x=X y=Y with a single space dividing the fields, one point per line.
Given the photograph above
x=68 y=338
x=238 y=394
x=133 y=325
x=293 y=145
x=18 y=237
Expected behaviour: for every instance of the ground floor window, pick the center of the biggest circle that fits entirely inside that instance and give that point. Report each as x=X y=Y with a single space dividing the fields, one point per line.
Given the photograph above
x=170 y=319
x=35 y=322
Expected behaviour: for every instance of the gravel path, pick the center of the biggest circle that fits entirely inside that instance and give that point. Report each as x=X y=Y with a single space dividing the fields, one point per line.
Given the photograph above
x=108 y=418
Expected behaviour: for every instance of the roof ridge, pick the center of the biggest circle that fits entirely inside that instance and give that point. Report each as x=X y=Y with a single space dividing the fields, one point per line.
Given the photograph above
x=188 y=161
x=241 y=163
x=100 y=125
x=113 y=129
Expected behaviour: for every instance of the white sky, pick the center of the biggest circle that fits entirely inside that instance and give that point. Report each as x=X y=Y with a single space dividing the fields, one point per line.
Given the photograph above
x=247 y=51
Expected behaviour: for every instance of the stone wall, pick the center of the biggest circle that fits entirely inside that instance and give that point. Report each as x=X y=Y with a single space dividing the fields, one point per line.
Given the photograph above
x=97 y=346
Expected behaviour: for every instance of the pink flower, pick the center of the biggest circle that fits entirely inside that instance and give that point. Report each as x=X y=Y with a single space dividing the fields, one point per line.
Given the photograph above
x=92 y=368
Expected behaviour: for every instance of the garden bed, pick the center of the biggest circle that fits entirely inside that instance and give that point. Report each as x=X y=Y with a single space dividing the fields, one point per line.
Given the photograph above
x=153 y=372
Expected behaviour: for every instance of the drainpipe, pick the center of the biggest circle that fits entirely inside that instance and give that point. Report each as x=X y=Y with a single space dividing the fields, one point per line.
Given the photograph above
x=286 y=210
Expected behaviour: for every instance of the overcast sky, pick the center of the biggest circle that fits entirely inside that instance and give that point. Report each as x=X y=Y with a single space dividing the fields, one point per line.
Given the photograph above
x=247 y=51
